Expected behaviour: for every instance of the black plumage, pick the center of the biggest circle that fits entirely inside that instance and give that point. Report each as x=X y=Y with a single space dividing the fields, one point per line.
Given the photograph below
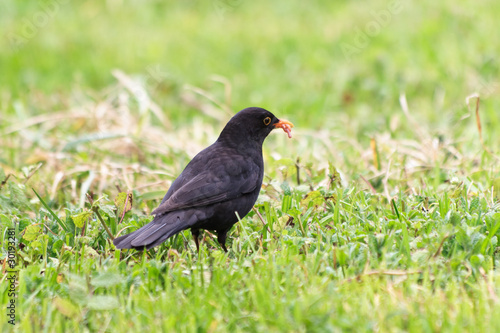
x=221 y=183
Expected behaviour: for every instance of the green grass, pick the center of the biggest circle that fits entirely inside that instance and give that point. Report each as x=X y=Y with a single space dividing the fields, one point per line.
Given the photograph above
x=381 y=214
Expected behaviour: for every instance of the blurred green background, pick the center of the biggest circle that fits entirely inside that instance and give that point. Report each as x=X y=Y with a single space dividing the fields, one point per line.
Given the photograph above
x=316 y=60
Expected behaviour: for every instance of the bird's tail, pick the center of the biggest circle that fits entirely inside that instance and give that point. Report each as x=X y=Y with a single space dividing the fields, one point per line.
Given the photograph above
x=153 y=233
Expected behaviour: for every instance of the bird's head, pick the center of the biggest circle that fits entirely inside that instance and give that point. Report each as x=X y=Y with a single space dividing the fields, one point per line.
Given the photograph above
x=253 y=124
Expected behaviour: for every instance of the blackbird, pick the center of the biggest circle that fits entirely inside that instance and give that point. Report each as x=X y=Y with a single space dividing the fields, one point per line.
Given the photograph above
x=218 y=186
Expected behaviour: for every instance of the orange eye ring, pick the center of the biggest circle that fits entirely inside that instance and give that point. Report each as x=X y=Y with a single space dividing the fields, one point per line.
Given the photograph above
x=267 y=121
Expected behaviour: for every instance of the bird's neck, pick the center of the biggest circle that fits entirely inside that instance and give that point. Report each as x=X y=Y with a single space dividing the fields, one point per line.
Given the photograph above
x=248 y=147
x=240 y=141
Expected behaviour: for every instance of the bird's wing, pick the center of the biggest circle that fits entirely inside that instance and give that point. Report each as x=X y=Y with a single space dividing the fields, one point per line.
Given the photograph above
x=220 y=180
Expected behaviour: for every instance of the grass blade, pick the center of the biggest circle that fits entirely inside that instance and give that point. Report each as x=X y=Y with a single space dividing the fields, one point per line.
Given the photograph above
x=58 y=220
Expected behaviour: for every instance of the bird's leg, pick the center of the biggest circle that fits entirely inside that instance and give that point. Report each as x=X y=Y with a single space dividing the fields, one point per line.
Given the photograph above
x=221 y=238
x=196 y=234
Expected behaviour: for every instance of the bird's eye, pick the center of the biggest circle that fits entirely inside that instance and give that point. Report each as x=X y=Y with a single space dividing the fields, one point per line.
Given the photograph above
x=267 y=121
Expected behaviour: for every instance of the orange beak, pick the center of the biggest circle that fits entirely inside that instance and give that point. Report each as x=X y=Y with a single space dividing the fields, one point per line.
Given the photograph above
x=285 y=125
